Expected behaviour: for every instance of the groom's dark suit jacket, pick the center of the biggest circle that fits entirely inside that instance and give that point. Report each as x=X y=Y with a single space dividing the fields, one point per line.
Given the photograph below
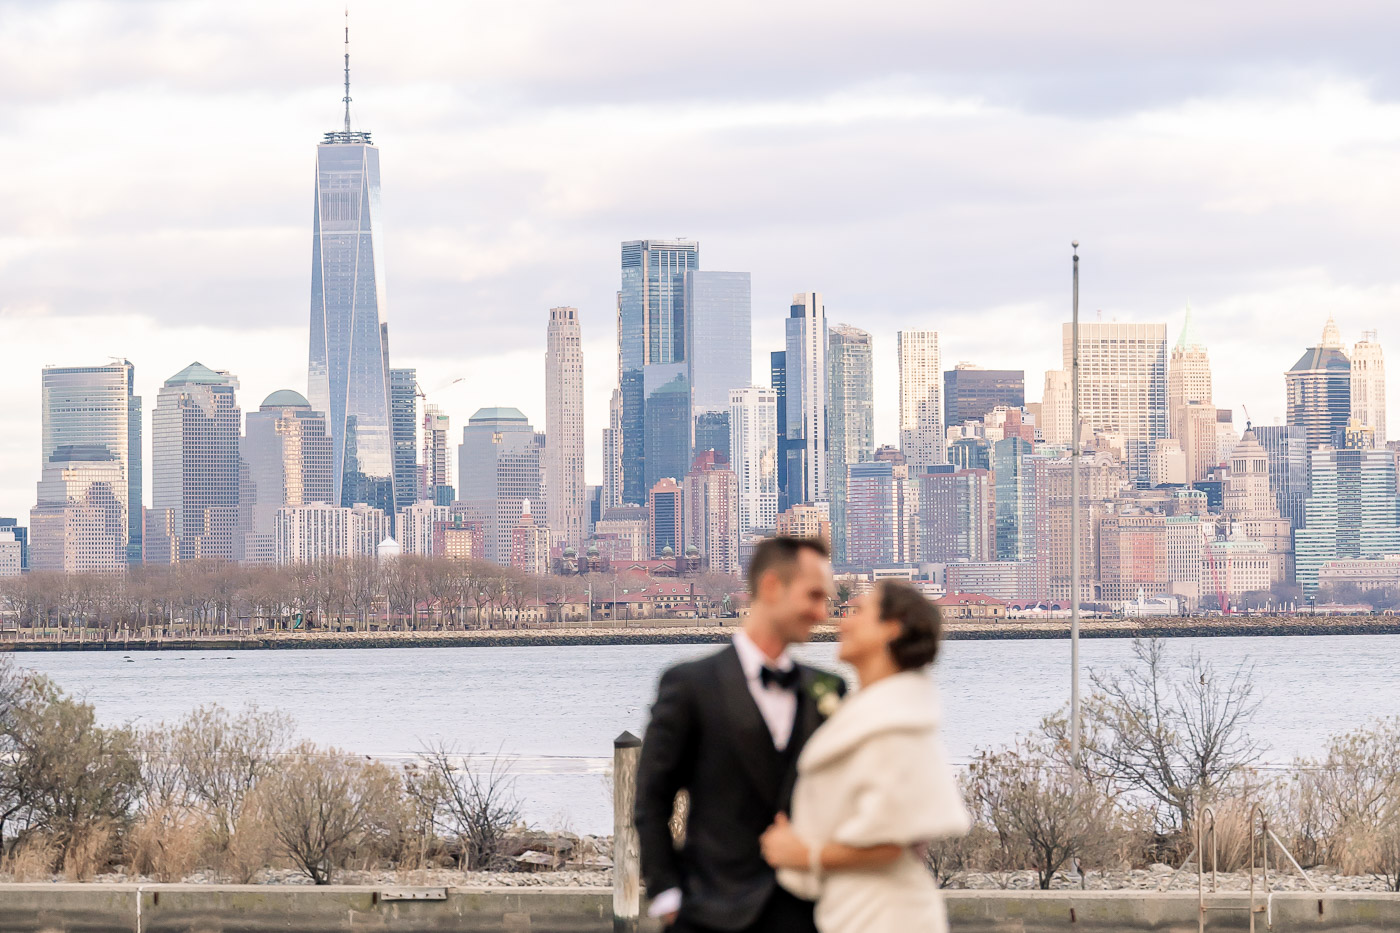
x=708 y=737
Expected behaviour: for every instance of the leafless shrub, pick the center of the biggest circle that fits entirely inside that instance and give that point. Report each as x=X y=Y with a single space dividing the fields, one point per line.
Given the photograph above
x=476 y=807
x=31 y=860
x=253 y=845
x=1177 y=740
x=88 y=850
x=324 y=805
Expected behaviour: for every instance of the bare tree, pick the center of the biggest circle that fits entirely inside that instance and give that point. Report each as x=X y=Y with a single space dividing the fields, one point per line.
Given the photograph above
x=1177 y=739
x=475 y=806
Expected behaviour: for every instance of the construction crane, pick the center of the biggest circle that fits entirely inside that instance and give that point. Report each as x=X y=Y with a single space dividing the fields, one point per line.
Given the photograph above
x=418 y=389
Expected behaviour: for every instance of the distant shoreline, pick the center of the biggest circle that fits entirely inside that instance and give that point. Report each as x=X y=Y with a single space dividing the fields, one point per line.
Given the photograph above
x=672 y=634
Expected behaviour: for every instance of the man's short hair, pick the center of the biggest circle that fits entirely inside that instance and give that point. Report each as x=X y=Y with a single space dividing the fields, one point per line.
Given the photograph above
x=780 y=554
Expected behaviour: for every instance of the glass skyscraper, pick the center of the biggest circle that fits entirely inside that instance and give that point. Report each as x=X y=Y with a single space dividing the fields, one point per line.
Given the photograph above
x=651 y=354
x=348 y=372
x=719 y=350
x=95 y=407
x=850 y=413
x=403 y=410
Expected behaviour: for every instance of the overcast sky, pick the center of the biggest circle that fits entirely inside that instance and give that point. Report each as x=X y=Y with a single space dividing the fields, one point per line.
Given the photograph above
x=923 y=164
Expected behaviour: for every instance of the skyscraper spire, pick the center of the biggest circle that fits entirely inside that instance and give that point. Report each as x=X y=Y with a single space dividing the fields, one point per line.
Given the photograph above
x=347 y=69
x=1187 y=338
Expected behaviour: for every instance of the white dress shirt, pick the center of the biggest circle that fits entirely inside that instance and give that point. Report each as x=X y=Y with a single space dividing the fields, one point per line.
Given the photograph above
x=779 y=710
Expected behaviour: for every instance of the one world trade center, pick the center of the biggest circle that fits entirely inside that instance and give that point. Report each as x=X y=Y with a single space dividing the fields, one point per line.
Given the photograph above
x=348 y=372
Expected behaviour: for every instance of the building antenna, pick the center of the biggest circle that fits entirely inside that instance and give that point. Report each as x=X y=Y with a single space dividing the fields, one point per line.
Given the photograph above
x=347 y=69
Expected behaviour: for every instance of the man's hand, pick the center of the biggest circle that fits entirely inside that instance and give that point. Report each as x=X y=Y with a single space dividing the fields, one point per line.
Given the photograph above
x=783 y=848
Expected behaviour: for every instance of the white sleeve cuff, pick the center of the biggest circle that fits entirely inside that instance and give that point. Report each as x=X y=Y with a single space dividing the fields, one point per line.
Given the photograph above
x=667 y=902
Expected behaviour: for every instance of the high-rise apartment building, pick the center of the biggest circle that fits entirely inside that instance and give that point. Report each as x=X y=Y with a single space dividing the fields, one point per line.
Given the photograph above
x=921 y=399
x=711 y=523
x=1057 y=409
x=1122 y=385
x=285 y=460
x=970 y=392
x=19 y=534
x=957 y=515
x=777 y=378
x=403 y=418
x=1015 y=499
x=1368 y=385
x=529 y=543
x=348 y=367
x=850 y=418
x=871 y=515
x=194 y=468
x=563 y=426
x=719 y=349
x=652 y=355
x=416 y=526
x=498 y=468
x=1319 y=391
x=435 y=478
x=96 y=407
x=805 y=387
x=11 y=554
x=666 y=517
x=1352 y=512
x=307 y=534
x=612 y=454
x=906 y=504
x=753 y=445
x=805 y=520
x=1101 y=478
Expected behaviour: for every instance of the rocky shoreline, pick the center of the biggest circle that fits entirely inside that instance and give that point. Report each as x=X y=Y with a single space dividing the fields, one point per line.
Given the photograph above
x=720 y=630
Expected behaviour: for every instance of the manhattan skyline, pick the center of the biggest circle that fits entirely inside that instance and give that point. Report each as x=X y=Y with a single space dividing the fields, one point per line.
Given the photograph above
x=1202 y=186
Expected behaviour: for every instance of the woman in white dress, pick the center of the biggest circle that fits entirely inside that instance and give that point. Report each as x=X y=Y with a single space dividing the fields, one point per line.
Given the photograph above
x=873 y=783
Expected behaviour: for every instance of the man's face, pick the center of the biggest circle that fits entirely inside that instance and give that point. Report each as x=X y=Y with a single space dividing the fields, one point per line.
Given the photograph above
x=803 y=601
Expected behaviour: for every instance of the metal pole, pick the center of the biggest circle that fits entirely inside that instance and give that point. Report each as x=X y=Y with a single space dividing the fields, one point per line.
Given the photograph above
x=1074 y=724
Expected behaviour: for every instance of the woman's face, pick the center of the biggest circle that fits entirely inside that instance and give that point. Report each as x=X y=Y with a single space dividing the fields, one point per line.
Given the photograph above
x=863 y=633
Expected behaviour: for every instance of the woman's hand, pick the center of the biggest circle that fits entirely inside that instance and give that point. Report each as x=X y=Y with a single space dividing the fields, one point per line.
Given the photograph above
x=783 y=848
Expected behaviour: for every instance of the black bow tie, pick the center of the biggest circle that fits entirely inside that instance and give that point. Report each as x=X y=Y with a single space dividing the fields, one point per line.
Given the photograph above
x=786 y=680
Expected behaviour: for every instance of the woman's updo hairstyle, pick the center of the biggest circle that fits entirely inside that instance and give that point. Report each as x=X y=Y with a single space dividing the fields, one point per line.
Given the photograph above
x=920 y=626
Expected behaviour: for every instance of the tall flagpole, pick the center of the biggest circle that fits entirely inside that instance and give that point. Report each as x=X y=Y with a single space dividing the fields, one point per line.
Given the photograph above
x=1074 y=522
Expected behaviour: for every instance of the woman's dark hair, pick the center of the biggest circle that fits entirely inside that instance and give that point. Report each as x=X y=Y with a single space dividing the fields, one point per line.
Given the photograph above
x=920 y=625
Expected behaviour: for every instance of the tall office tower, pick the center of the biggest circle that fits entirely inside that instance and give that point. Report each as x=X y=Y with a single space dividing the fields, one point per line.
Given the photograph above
x=753 y=445
x=970 y=392
x=563 y=425
x=1319 y=391
x=652 y=355
x=850 y=418
x=666 y=518
x=719 y=349
x=1056 y=409
x=872 y=532
x=1101 y=478
x=79 y=524
x=1368 y=384
x=285 y=456
x=310 y=533
x=1123 y=385
x=194 y=468
x=416 y=526
x=805 y=386
x=94 y=406
x=435 y=479
x=529 y=543
x=403 y=417
x=1250 y=504
x=777 y=378
x=1226 y=437
x=1188 y=399
x=348 y=371
x=957 y=516
x=592 y=508
x=1352 y=512
x=711 y=522
x=612 y=453
x=20 y=534
x=921 y=399
x=970 y=453
x=906 y=504
x=498 y=468
x=1015 y=499
x=667 y=434
x=1287 y=448
x=1197 y=431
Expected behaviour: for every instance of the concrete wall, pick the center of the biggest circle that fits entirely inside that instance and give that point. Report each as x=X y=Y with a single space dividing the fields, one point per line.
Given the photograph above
x=93 y=908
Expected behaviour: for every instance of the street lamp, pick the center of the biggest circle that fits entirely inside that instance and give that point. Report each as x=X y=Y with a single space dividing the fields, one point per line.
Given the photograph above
x=1074 y=520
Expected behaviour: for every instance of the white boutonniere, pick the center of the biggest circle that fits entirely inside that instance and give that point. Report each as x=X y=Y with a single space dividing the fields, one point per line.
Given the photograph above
x=826 y=693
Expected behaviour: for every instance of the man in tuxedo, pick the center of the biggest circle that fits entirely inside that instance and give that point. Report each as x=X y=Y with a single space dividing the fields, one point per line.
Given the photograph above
x=727 y=729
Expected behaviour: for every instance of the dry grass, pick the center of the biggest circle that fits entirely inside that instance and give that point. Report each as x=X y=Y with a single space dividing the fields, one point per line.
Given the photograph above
x=31 y=860
x=88 y=853
x=253 y=845
x=167 y=844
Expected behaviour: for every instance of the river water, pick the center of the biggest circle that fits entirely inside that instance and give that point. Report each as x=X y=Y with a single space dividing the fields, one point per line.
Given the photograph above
x=556 y=710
